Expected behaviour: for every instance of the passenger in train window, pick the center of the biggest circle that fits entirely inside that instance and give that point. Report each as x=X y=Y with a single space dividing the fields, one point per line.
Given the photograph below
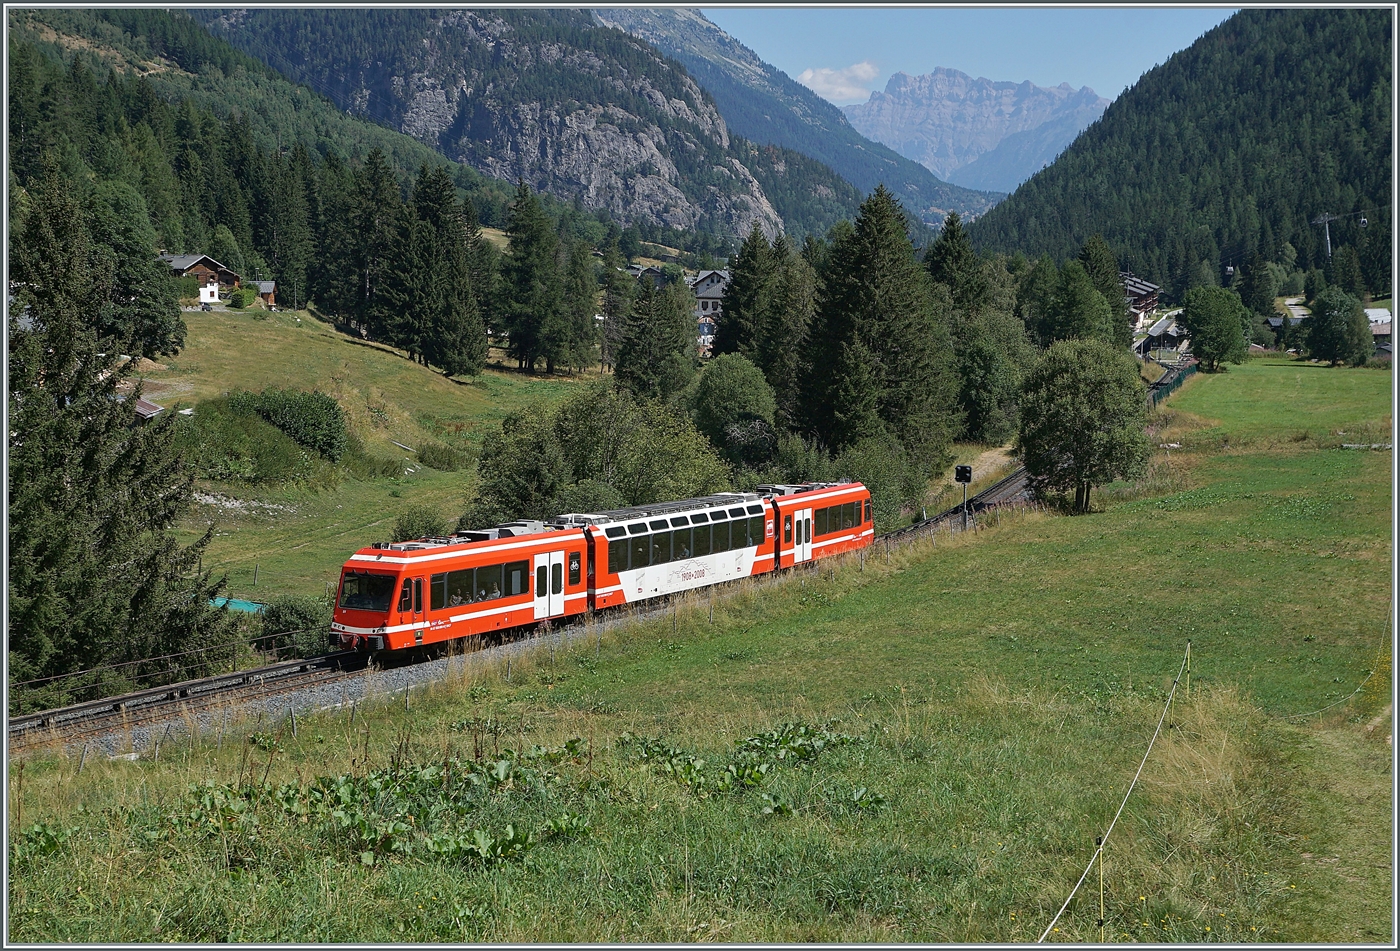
x=495 y=591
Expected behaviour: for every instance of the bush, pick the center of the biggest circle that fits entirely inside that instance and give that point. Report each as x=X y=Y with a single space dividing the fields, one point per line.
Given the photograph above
x=242 y=297
x=418 y=522
x=443 y=458
x=313 y=420
x=226 y=441
x=304 y=622
x=187 y=288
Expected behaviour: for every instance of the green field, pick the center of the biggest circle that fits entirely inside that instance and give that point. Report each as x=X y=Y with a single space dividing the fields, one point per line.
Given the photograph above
x=976 y=707
x=296 y=536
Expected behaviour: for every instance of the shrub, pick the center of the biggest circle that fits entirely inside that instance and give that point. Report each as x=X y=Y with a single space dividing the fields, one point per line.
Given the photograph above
x=242 y=297
x=419 y=521
x=187 y=287
x=226 y=441
x=303 y=620
x=443 y=458
x=313 y=420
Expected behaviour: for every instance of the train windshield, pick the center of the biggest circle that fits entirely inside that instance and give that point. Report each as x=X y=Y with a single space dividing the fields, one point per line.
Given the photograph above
x=362 y=591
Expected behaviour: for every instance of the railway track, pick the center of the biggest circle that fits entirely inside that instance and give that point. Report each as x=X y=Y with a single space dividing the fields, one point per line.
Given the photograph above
x=144 y=708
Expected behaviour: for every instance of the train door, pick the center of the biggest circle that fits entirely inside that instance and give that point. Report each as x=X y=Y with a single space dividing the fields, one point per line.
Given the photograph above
x=802 y=550
x=549 y=584
x=411 y=600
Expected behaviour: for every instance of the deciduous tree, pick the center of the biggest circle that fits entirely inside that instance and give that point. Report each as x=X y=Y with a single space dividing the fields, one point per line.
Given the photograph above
x=1083 y=413
x=1214 y=318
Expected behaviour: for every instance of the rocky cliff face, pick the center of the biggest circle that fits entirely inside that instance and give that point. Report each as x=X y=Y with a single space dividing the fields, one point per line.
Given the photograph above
x=947 y=121
x=546 y=97
x=763 y=104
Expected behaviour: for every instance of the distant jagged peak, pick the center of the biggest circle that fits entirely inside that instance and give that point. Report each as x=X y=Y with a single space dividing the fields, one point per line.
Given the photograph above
x=943 y=81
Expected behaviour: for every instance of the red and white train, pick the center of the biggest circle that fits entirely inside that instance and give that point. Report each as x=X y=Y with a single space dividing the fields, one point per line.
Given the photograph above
x=397 y=595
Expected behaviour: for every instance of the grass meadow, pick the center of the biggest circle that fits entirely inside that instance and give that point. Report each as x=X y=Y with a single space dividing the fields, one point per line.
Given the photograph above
x=918 y=746
x=294 y=537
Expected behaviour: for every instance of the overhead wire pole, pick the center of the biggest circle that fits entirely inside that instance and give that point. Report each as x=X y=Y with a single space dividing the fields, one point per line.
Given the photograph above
x=1326 y=220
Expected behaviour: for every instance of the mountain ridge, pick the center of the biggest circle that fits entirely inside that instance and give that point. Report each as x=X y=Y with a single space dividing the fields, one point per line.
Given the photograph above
x=947 y=120
x=765 y=105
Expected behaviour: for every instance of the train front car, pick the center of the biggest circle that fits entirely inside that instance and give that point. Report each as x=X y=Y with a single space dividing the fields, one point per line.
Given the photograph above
x=819 y=519
x=396 y=595
x=648 y=551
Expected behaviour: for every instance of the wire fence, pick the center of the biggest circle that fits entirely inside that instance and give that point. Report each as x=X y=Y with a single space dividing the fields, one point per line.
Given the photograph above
x=95 y=683
x=1170 y=382
x=1103 y=839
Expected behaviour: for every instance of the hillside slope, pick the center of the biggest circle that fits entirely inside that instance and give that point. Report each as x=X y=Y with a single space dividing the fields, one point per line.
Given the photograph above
x=946 y=121
x=583 y=112
x=762 y=103
x=1232 y=146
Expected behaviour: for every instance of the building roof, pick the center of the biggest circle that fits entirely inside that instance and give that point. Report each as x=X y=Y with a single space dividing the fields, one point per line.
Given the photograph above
x=266 y=287
x=1136 y=286
x=1160 y=327
x=180 y=263
x=1374 y=314
x=1380 y=328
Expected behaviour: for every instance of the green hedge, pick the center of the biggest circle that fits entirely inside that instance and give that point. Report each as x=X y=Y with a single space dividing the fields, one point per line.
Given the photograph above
x=313 y=420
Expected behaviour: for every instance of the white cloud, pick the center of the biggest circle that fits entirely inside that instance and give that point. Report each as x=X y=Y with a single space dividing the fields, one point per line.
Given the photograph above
x=840 y=86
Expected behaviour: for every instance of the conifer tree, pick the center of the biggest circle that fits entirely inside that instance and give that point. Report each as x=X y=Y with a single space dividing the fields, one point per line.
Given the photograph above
x=580 y=304
x=454 y=333
x=1101 y=265
x=618 y=290
x=530 y=279
x=95 y=574
x=1079 y=311
x=289 y=240
x=656 y=356
x=952 y=261
x=782 y=345
x=875 y=314
x=378 y=204
x=748 y=298
x=142 y=311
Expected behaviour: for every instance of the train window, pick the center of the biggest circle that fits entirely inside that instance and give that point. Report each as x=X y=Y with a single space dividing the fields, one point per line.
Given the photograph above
x=755 y=510
x=680 y=543
x=848 y=515
x=459 y=587
x=575 y=567
x=615 y=531
x=617 y=556
x=641 y=551
x=659 y=525
x=488 y=582
x=736 y=513
x=362 y=591
x=518 y=577
x=406 y=595
x=639 y=529
x=541 y=581
x=556 y=579
x=823 y=521
x=867 y=510
x=787 y=529
x=681 y=522
x=437 y=592
x=700 y=540
x=756 y=529
x=699 y=518
x=660 y=547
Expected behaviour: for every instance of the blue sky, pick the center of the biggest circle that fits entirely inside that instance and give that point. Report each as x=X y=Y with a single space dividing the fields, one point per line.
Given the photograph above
x=843 y=53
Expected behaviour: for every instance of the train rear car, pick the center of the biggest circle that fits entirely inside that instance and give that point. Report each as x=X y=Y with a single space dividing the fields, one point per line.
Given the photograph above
x=819 y=519
x=395 y=595
x=648 y=551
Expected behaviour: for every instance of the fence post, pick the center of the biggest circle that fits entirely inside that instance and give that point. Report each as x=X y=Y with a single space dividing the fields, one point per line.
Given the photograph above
x=1099 y=843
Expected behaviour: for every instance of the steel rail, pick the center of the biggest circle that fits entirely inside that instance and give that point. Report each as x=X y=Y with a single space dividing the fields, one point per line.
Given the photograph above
x=99 y=717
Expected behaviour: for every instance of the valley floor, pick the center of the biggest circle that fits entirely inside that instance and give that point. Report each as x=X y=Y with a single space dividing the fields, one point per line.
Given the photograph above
x=919 y=747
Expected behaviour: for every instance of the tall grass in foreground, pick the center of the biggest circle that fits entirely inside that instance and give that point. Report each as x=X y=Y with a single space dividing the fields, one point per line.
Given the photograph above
x=914 y=811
